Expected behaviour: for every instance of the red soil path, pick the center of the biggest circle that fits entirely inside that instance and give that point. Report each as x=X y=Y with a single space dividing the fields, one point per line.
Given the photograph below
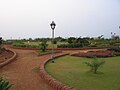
x=24 y=71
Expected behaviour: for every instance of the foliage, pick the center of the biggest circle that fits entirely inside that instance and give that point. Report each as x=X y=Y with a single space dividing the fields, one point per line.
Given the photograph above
x=54 y=41
x=83 y=42
x=43 y=46
x=59 y=39
x=94 y=65
x=72 y=45
x=75 y=43
x=23 y=45
x=4 y=85
x=41 y=52
x=0 y=41
x=114 y=49
x=0 y=45
x=71 y=40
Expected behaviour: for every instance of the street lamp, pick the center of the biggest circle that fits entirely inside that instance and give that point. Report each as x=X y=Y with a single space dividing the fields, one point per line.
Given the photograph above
x=52 y=27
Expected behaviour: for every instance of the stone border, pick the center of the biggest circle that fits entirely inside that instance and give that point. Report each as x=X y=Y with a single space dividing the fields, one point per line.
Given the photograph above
x=56 y=85
x=9 y=60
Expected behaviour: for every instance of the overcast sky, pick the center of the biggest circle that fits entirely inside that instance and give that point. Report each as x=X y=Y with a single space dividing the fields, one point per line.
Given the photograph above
x=31 y=18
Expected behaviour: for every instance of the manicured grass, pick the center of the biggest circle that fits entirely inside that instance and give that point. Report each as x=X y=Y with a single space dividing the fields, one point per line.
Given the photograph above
x=40 y=52
x=71 y=71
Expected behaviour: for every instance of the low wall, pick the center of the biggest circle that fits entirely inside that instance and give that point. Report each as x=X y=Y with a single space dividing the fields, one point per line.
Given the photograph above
x=9 y=60
x=56 y=85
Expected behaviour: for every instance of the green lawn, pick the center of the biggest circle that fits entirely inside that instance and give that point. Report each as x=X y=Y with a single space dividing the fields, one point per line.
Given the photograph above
x=71 y=71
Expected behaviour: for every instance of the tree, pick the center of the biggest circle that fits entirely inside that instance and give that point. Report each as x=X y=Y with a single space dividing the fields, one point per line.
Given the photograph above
x=82 y=42
x=71 y=40
x=30 y=39
x=43 y=46
x=94 y=65
x=58 y=39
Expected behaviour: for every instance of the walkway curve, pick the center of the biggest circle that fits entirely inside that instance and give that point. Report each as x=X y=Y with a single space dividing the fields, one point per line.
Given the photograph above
x=24 y=71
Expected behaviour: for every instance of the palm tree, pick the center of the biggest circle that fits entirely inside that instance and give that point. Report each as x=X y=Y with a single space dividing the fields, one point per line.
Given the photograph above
x=94 y=65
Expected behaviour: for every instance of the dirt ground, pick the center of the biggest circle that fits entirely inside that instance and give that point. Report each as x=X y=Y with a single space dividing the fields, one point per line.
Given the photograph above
x=24 y=71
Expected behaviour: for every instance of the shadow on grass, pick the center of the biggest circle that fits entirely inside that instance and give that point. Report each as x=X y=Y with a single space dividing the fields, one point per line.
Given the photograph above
x=98 y=74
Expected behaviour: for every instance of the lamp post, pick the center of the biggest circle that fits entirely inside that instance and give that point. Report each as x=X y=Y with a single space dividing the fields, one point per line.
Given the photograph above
x=52 y=27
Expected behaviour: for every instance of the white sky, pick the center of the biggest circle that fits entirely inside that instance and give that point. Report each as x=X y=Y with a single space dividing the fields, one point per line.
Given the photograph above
x=31 y=18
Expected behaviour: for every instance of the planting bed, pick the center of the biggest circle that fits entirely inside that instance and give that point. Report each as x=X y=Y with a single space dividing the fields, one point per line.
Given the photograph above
x=5 y=55
x=100 y=53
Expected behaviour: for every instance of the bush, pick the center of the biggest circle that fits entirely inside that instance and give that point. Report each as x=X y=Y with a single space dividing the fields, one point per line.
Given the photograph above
x=94 y=65
x=25 y=45
x=92 y=45
x=72 y=45
x=43 y=46
x=4 y=85
x=114 y=49
x=103 y=45
x=116 y=44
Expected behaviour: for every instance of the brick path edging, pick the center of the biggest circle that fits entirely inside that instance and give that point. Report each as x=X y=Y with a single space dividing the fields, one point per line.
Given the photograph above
x=56 y=85
x=9 y=60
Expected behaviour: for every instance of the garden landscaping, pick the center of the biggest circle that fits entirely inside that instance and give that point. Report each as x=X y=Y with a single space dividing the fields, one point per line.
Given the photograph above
x=100 y=53
x=73 y=72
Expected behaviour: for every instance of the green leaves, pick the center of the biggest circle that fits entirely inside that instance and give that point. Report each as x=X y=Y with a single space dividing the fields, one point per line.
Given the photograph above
x=43 y=46
x=4 y=85
x=94 y=65
x=0 y=41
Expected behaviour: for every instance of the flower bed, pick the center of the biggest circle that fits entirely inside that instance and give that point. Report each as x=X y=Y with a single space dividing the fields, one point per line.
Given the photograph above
x=107 y=53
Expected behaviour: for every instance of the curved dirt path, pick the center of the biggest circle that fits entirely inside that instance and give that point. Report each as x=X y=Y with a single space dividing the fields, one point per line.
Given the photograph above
x=24 y=71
